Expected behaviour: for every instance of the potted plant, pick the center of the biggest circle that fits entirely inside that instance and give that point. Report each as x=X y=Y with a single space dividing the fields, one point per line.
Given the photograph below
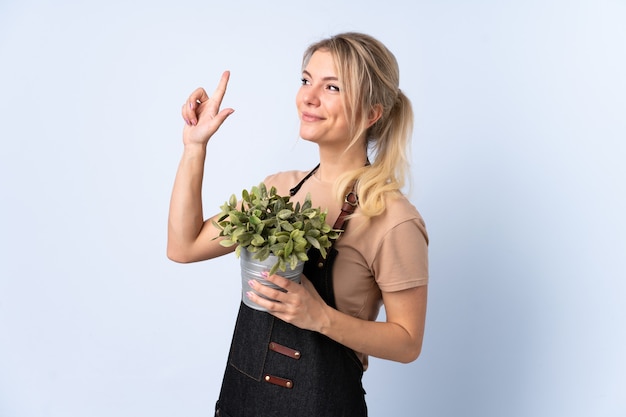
x=272 y=233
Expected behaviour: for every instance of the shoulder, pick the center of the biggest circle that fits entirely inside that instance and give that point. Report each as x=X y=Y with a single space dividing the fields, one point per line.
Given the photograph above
x=393 y=245
x=399 y=212
x=399 y=204
x=284 y=180
x=401 y=223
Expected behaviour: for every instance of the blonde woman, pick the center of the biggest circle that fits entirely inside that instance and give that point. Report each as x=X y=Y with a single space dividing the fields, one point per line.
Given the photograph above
x=307 y=354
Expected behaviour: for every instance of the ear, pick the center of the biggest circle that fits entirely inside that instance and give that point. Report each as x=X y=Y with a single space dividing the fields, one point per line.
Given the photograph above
x=375 y=113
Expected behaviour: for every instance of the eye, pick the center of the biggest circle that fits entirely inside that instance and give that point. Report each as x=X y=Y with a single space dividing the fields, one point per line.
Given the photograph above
x=333 y=88
x=305 y=81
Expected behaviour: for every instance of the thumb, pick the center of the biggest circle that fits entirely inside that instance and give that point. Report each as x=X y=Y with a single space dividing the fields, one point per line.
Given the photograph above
x=222 y=116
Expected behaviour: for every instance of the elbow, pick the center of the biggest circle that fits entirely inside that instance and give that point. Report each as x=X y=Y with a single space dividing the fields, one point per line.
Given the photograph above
x=411 y=354
x=176 y=255
x=178 y=250
x=172 y=256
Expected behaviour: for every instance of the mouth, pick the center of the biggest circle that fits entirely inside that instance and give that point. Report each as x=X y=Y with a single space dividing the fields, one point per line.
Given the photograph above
x=308 y=117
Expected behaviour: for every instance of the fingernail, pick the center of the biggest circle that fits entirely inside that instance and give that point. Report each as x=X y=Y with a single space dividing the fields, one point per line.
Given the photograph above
x=252 y=283
x=249 y=294
x=190 y=105
x=265 y=274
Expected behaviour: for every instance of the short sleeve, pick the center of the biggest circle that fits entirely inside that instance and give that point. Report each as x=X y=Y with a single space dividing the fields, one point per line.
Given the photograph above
x=401 y=260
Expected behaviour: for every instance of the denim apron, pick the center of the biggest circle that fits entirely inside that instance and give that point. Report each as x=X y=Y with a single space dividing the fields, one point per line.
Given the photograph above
x=276 y=369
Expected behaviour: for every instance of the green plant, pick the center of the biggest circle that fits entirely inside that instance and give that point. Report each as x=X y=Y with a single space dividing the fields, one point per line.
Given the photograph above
x=266 y=223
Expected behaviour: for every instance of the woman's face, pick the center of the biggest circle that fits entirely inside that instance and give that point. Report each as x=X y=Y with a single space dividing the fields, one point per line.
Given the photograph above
x=319 y=102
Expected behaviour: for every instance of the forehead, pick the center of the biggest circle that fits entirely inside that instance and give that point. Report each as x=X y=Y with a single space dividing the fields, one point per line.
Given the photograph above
x=321 y=64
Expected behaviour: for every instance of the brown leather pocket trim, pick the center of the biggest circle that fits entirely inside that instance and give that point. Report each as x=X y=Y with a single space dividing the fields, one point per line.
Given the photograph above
x=284 y=350
x=281 y=382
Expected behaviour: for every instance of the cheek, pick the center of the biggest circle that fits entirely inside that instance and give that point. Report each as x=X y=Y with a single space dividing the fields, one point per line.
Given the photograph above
x=299 y=97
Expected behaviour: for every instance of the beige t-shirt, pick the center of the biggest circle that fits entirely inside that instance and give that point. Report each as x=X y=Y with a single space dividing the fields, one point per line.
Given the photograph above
x=385 y=254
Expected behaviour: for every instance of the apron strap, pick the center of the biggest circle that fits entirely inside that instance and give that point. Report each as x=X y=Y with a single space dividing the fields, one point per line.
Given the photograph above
x=350 y=202
x=295 y=189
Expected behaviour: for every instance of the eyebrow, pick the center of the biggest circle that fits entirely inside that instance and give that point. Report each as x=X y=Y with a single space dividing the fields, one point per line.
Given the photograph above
x=329 y=78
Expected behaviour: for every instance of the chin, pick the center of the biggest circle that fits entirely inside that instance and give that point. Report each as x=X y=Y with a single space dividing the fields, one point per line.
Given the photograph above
x=309 y=137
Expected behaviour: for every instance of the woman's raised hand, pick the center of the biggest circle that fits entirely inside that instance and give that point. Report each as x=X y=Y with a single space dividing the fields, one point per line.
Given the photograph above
x=202 y=113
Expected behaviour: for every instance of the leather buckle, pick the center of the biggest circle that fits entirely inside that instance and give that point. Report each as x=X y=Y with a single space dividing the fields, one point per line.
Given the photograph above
x=352 y=199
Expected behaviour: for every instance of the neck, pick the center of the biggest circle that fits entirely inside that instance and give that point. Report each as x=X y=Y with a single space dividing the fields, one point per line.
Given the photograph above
x=333 y=164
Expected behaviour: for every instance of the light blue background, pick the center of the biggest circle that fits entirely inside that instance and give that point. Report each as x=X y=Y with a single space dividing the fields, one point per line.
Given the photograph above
x=518 y=161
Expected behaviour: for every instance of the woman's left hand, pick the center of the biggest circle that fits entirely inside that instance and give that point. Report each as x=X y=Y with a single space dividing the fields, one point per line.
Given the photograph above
x=300 y=305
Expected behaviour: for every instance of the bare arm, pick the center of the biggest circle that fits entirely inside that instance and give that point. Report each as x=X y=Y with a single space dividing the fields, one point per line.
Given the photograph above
x=190 y=237
x=398 y=339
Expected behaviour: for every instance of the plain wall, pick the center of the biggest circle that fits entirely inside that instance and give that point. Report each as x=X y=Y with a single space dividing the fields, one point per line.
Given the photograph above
x=518 y=167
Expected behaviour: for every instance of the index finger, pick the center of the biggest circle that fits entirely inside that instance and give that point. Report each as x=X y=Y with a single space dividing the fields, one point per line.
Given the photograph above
x=218 y=94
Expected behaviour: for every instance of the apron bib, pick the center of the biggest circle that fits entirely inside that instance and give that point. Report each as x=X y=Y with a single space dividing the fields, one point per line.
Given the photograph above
x=276 y=369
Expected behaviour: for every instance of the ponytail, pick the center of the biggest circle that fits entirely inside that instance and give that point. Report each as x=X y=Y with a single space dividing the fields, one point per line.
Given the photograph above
x=389 y=142
x=371 y=78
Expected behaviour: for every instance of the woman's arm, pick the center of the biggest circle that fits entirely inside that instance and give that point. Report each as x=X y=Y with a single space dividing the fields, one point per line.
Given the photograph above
x=398 y=339
x=190 y=237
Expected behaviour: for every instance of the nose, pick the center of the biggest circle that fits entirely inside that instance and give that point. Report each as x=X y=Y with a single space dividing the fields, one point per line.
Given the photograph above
x=309 y=95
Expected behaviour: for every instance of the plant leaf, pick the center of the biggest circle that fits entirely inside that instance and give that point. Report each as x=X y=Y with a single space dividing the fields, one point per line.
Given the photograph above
x=288 y=248
x=286 y=226
x=227 y=243
x=274 y=268
x=257 y=240
x=313 y=241
x=263 y=253
x=284 y=214
x=293 y=261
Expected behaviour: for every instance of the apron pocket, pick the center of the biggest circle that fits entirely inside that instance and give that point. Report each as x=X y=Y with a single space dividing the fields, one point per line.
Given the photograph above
x=251 y=339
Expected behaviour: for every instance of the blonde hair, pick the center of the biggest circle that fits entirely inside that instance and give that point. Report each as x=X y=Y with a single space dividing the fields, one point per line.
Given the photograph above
x=370 y=77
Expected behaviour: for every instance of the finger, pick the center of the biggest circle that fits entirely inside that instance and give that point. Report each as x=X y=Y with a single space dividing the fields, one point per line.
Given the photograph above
x=267 y=291
x=196 y=98
x=189 y=110
x=258 y=297
x=282 y=282
x=222 y=115
x=198 y=95
x=260 y=301
x=218 y=94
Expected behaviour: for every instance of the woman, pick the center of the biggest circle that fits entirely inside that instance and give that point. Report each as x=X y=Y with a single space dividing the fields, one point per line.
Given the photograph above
x=306 y=357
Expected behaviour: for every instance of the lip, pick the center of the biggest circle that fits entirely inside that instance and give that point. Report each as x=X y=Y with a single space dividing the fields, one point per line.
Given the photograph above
x=308 y=117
